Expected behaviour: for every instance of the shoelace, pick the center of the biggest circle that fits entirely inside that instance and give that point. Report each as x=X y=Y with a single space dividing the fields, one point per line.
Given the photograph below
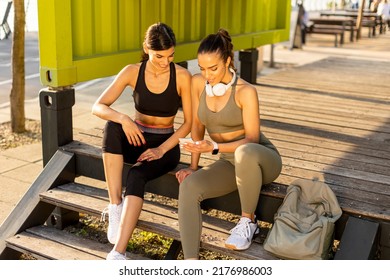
x=105 y=212
x=242 y=229
x=103 y=215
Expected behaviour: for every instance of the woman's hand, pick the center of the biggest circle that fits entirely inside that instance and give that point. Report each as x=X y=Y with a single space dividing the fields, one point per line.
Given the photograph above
x=203 y=146
x=183 y=173
x=133 y=133
x=151 y=154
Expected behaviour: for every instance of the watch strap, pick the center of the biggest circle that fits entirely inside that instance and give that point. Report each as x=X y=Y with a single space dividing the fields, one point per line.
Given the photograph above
x=215 y=148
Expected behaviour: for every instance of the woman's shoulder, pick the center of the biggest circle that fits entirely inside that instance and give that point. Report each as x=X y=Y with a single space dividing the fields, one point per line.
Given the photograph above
x=129 y=74
x=198 y=78
x=245 y=90
x=244 y=86
x=182 y=72
x=131 y=68
x=198 y=82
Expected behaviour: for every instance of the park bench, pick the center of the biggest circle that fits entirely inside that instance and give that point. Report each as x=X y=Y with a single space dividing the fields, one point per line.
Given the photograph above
x=345 y=24
x=371 y=24
x=334 y=27
x=328 y=30
x=370 y=20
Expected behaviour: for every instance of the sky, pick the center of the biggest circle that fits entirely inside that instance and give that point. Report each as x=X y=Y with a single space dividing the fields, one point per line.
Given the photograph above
x=31 y=14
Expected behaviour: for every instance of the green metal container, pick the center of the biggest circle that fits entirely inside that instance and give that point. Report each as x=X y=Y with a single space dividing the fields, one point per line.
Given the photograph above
x=81 y=40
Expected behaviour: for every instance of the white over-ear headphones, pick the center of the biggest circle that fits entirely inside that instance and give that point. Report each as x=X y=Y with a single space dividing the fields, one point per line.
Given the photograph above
x=220 y=88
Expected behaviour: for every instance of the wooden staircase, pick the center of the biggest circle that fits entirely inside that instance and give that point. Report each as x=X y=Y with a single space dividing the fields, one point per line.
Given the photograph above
x=27 y=230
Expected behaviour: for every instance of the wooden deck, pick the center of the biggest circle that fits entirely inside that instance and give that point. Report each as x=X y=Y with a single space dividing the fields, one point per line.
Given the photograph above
x=331 y=120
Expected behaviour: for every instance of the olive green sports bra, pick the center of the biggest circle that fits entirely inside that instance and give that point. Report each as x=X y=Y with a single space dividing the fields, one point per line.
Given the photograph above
x=228 y=119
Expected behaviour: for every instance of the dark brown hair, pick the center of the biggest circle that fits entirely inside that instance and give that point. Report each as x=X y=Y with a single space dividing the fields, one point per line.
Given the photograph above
x=158 y=37
x=221 y=43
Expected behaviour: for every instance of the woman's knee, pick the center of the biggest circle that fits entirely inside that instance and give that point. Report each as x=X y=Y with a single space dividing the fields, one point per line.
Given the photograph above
x=135 y=183
x=112 y=127
x=189 y=192
x=246 y=153
x=112 y=138
x=255 y=155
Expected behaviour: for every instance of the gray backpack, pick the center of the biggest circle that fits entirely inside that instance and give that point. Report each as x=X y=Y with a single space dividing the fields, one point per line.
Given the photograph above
x=304 y=224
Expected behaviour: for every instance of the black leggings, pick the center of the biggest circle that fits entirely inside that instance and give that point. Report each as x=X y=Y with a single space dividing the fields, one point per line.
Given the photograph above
x=115 y=142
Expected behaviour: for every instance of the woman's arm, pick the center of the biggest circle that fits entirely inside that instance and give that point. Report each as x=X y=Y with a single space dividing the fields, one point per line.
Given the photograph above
x=183 y=78
x=197 y=128
x=249 y=101
x=102 y=106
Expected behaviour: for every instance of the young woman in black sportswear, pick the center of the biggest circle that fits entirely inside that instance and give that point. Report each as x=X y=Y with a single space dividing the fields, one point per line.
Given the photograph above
x=148 y=140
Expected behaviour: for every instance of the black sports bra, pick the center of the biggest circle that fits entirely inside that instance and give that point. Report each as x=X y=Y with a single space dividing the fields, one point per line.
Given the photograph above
x=164 y=104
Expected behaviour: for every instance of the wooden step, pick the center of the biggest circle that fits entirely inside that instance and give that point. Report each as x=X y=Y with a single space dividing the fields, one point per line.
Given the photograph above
x=89 y=164
x=49 y=243
x=157 y=218
x=357 y=195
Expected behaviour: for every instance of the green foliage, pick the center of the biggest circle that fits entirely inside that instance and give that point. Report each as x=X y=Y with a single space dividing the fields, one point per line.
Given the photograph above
x=82 y=232
x=152 y=245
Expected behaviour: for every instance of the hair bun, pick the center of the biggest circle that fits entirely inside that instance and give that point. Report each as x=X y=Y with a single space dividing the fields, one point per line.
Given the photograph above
x=224 y=33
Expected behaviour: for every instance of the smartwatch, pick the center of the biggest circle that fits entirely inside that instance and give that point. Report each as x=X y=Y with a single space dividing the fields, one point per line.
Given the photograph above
x=215 y=148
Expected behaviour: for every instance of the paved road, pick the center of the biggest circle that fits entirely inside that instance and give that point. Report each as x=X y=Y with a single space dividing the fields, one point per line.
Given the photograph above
x=86 y=93
x=31 y=67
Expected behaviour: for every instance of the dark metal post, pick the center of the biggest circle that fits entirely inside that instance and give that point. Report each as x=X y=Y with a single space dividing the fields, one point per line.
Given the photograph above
x=248 y=60
x=183 y=64
x=57 y=130
x=272 y=57
x=359 y=240
x=56 y=119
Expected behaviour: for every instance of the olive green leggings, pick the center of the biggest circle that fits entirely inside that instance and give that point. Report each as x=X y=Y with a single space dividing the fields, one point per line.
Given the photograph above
x=252 y=166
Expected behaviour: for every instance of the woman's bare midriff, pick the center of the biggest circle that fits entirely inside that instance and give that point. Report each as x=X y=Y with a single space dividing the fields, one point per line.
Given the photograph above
x=227 y=136
x=161 y=122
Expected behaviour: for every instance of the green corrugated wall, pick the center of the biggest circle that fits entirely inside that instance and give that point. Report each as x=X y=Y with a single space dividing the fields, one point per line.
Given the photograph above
x=81 y=40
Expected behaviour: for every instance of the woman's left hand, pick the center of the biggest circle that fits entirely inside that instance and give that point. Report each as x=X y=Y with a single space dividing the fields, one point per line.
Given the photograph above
x=183 y=173
x=151 y=154
x=203 y=146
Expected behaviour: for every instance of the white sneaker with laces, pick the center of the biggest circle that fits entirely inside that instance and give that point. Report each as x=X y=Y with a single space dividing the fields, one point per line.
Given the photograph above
x=114 y=217
x=242 y=234
x=115 y=256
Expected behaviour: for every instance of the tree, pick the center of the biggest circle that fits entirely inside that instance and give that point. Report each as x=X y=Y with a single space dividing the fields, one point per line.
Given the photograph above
x=17 y=95
x=360 y=18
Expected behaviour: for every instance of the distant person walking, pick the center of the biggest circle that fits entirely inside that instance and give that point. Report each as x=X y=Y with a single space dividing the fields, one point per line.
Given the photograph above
x=303 y=20
x=384 y=11
x=354 y=4
x=374 y=6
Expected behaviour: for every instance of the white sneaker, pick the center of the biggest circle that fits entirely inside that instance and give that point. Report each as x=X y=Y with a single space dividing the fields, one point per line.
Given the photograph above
x=114 y=217
x=115 y=256
x=242 y=234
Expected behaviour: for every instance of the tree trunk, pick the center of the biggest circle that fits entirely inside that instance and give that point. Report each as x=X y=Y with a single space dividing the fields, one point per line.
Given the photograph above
x=360 y=19
x=17 y=95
